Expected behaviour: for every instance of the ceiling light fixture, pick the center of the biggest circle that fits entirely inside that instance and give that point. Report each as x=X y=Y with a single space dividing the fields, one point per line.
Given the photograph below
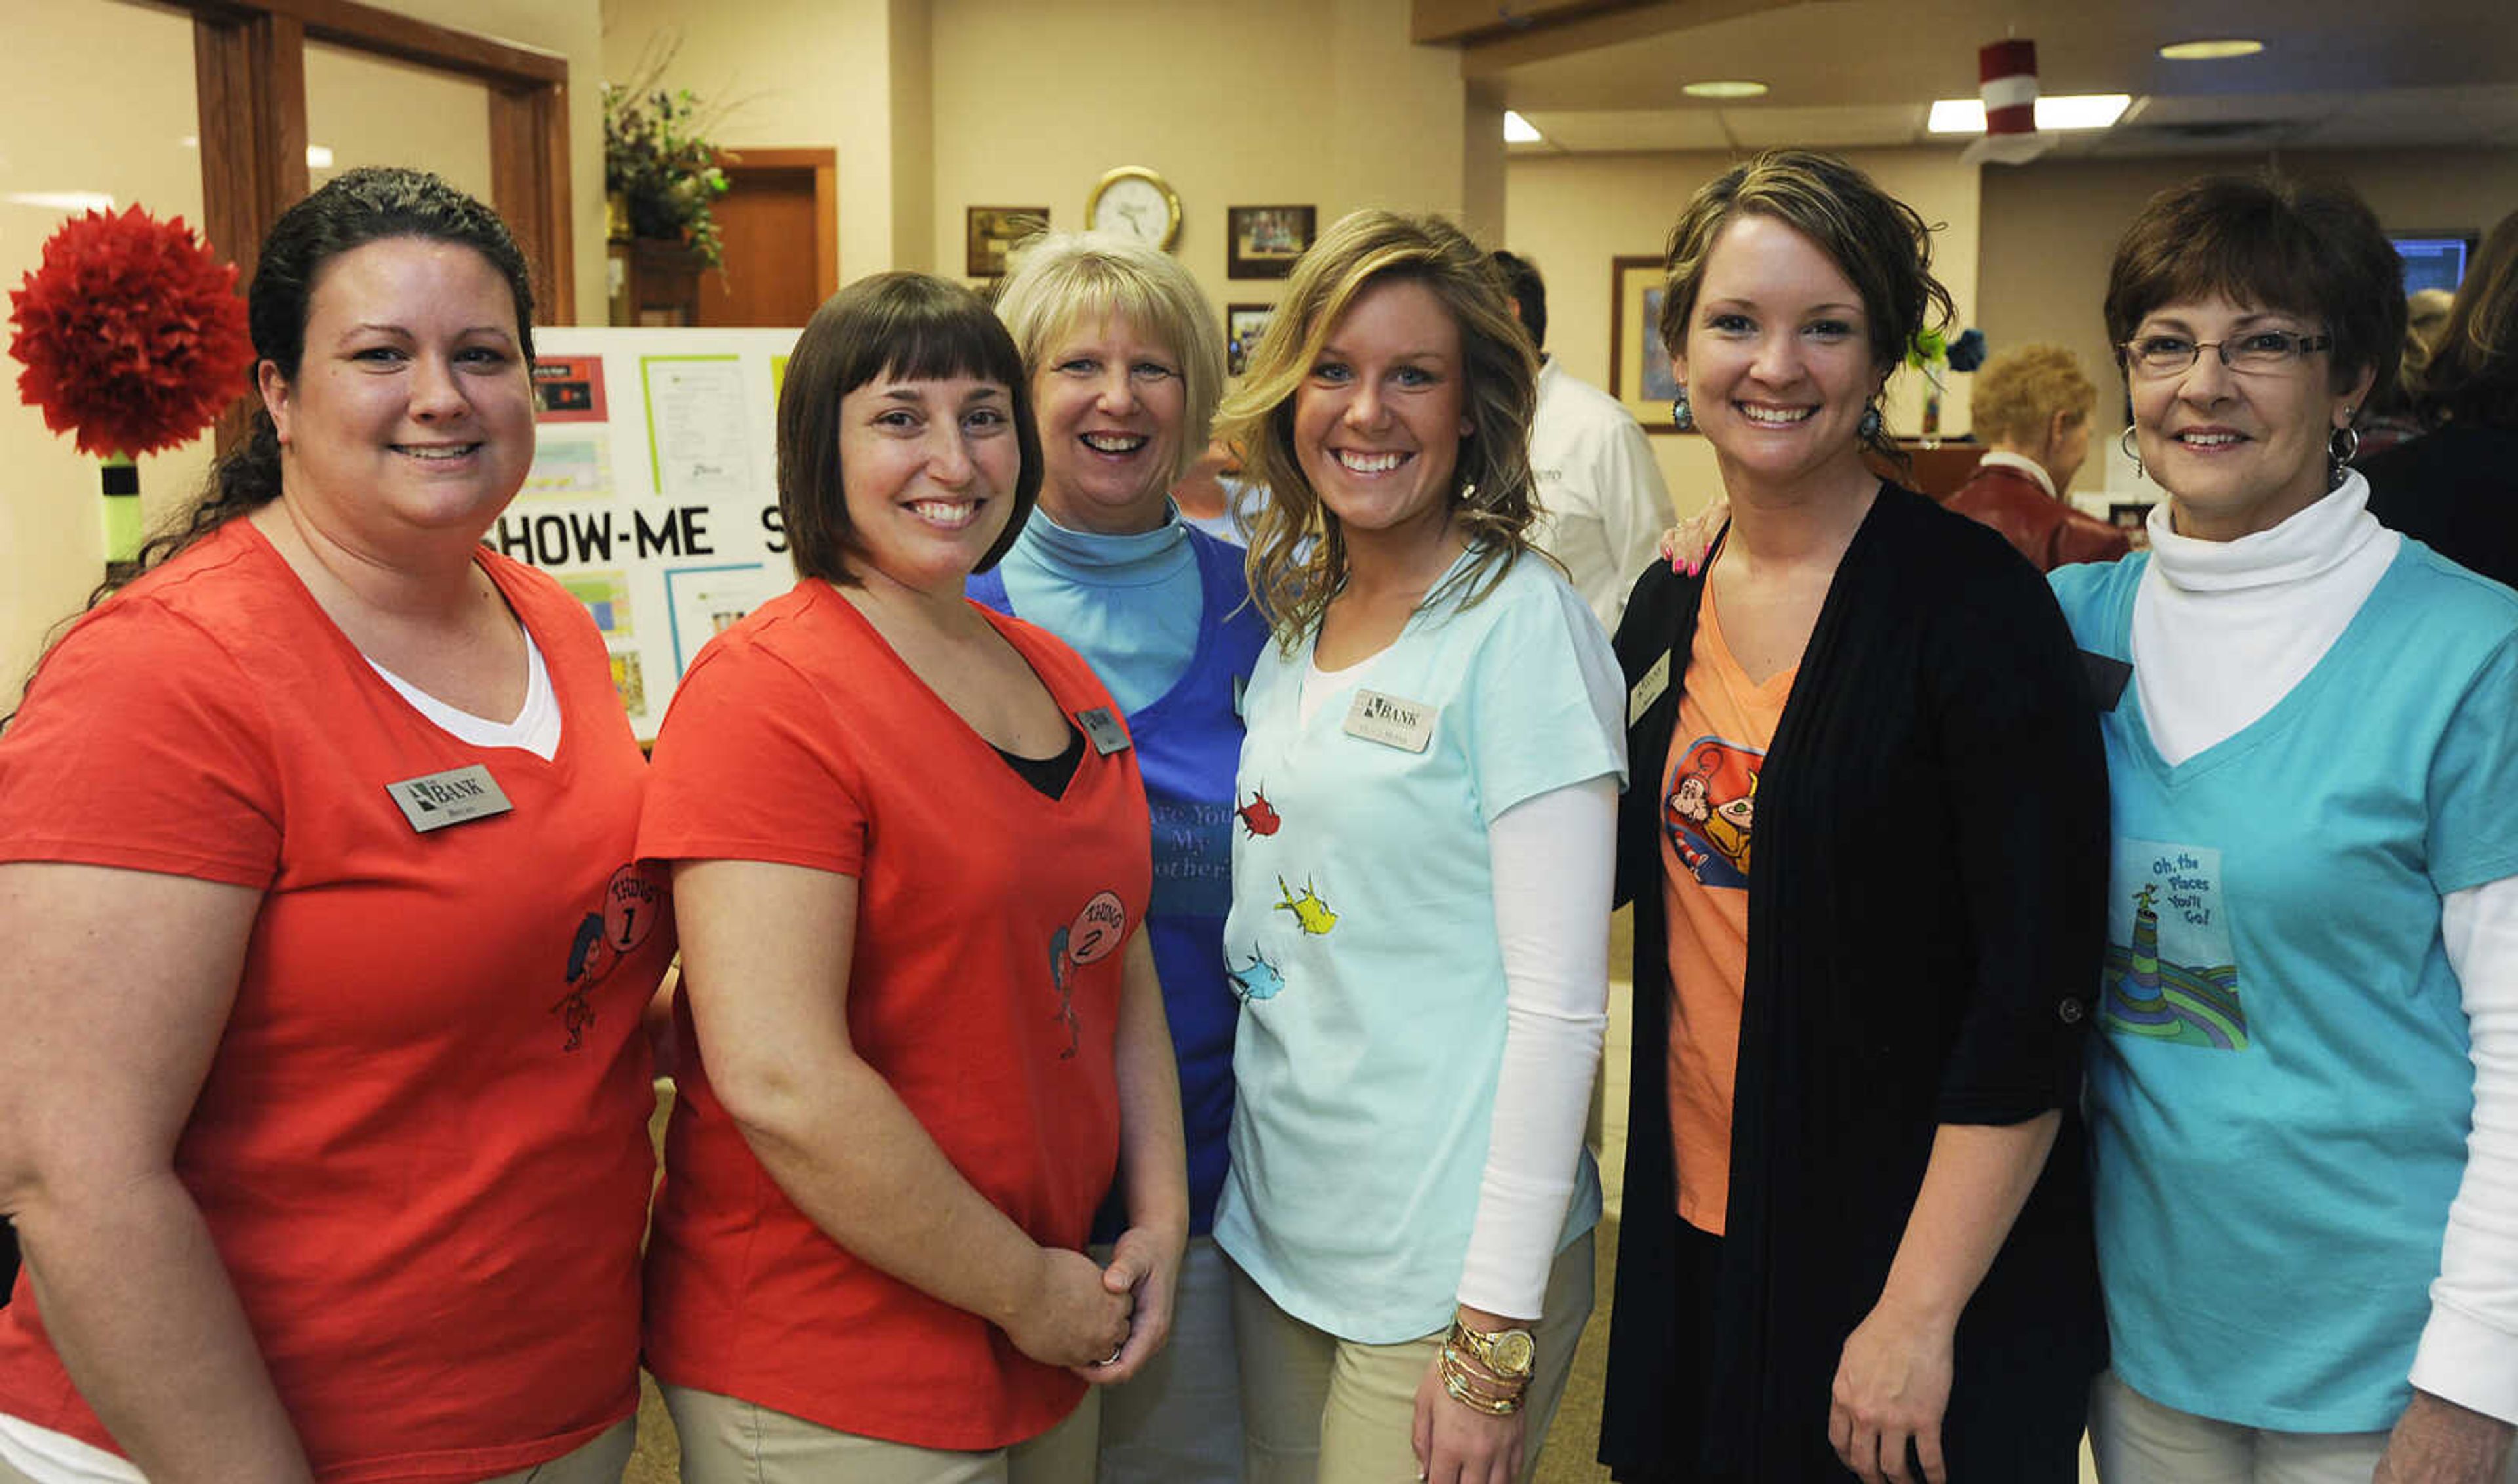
x=2083 y=111
x=1518 y=130
x=1733 y=87
x=2211 y=51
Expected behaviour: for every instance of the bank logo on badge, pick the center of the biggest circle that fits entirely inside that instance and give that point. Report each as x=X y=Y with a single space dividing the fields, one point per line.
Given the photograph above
x=458 y=796
x=1390 y=721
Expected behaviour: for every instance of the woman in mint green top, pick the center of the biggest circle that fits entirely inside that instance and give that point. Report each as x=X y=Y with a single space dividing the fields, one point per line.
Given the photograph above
x=1421 y=885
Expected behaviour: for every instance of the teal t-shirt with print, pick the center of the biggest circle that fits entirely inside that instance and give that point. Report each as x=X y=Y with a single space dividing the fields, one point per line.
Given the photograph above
x=1363 y=942
x=2279 y=1094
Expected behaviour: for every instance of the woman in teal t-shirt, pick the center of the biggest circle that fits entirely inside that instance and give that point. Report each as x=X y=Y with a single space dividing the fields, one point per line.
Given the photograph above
x=1421 y=884
x=2304 y=1096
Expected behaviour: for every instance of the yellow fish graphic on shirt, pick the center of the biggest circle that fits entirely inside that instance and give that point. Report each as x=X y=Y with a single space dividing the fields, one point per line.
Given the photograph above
x=1310 y=914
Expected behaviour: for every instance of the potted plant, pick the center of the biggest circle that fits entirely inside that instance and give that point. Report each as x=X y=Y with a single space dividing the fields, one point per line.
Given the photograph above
x=660 y=171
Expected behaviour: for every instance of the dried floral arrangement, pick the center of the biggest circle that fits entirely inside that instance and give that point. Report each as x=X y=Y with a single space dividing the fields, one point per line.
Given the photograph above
x=658 y=155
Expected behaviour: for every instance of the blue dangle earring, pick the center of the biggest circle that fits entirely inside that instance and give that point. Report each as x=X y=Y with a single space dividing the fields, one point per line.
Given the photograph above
x=1869 y=427
x=1681 y=416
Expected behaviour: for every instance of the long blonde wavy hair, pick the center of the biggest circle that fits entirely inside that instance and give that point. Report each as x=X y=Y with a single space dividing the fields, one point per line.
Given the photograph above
x=1292 y=583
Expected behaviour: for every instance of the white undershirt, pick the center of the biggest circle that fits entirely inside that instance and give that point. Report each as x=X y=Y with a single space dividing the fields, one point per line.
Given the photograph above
x=2222 y=631
x=56 y=1457
x=535 y=728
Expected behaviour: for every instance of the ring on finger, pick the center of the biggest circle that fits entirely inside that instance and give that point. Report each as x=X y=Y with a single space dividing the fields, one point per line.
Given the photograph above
x=1112 y=1358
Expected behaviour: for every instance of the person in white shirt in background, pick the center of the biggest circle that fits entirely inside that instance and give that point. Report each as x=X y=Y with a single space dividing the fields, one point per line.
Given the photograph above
x=1601 y=500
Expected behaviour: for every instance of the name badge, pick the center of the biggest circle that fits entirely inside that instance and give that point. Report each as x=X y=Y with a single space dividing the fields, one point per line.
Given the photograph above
x=458 y=796
x=1102 y=730
x=1649 y=689
x=1408 y=725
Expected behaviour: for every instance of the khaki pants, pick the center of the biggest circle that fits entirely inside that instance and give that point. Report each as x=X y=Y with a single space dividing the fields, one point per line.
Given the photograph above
x=2135 y=1440
x=599 y=1462
x=1318 y=1408
x=729 y=1441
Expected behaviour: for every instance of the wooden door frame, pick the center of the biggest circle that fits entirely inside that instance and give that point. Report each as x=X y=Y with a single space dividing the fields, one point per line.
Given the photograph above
x=249 y=72
x=824 y=162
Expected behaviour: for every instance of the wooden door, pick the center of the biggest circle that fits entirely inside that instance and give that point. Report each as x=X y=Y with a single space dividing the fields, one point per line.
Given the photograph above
x=779 y=226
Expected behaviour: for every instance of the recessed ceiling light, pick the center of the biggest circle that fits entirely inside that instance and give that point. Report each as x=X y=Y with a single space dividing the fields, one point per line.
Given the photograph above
x=2211 y=51
x=1725 y=88
x=1518 y=130
x=2067 y=110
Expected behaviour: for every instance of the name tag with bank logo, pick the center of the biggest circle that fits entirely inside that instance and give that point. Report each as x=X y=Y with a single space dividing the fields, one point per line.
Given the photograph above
x=458 y=796
x=1408 y=725
x=1102 y=730
x=1651 y=689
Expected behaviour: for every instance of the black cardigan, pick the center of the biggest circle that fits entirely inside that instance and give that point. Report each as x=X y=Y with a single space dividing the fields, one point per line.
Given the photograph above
x=1927 y=915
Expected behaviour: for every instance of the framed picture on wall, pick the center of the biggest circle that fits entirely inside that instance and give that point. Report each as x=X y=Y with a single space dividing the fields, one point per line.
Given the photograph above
x=1243 y=324
x=1263 y=241
x=988 y=231
x=1639 y=371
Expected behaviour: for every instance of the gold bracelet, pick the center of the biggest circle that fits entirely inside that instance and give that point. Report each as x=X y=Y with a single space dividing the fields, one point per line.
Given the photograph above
x=1494 y=1387
x=1462 y=1394
x=1463 y=1389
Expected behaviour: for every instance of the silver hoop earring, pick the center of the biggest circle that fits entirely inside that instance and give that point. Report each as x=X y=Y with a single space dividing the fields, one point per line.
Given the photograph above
x=1869 y=427
x=1681 y=416
x=2341 y=448
x=2133 y=453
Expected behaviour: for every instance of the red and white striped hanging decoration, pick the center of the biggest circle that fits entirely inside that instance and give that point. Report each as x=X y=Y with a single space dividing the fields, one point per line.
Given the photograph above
x=2007 y=81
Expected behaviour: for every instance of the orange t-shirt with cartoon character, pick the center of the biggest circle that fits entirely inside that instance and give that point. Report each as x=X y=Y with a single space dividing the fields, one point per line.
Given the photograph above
x=1708 y=793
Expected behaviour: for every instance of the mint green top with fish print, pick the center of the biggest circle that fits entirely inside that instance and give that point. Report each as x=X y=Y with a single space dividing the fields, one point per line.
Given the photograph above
x=1363 y=943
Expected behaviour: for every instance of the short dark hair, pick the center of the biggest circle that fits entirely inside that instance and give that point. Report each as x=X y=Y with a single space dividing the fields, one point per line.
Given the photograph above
x=1882 y=246
x=1528 y=293
x=907 y=325
x=2311 y=249
x=2473 y=373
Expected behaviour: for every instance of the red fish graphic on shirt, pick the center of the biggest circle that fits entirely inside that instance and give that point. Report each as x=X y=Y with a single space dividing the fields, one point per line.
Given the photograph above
x=1259 y=816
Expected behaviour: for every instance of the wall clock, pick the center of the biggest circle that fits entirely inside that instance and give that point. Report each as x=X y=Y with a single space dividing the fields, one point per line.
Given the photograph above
x=1134 y=202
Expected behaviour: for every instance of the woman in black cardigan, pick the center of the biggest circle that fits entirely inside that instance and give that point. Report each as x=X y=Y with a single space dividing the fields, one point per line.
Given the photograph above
x=1886 y=743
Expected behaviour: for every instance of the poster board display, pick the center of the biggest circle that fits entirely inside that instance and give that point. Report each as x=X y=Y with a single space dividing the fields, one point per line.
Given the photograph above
x=653 y=495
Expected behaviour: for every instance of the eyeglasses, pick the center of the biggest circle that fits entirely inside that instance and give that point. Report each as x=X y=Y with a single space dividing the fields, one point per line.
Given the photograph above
x=2258 y=353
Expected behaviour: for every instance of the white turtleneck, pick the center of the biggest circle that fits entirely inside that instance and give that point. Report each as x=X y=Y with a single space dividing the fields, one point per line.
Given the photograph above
x=2222 y=631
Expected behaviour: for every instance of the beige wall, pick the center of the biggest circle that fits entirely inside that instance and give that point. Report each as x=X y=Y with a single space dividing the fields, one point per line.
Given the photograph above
x=60 y=133
x=800 y=73
x=129 y=142
x=1322 y=102
x=2050 y=226
x=1573 y=213
x=573 y=28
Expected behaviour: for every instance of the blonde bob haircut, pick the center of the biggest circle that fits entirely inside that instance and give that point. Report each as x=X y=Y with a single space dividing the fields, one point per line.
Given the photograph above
x=1063 y=280
x=2020 y=391
x=1298 y=553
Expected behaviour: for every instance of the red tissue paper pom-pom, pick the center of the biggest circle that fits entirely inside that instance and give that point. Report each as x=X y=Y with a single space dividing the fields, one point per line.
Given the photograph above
x=131 y=333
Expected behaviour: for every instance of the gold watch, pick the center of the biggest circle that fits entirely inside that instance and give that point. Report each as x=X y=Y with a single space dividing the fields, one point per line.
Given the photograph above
x=1508 y=1353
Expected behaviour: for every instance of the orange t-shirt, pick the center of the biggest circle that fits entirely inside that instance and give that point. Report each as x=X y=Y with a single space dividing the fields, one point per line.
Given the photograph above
x=1708 y=816
x=422 y=1148
x=983 y=987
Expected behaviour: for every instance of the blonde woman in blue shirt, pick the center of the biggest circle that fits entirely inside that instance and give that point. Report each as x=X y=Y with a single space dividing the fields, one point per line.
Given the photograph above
x=1422 y=885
